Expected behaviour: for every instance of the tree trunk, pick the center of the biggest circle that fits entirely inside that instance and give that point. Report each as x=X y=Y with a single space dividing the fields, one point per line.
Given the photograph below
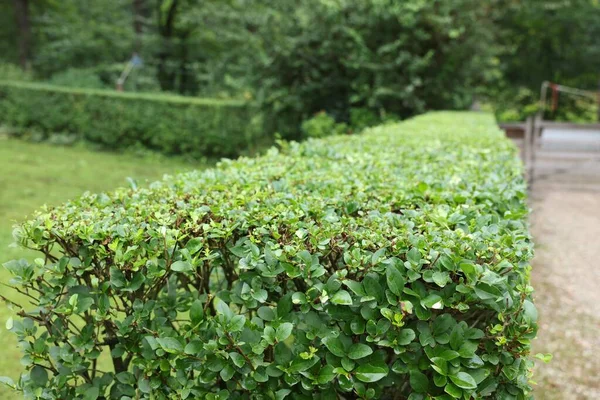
x=140 y=14
x=166 y=27
x=24 y=32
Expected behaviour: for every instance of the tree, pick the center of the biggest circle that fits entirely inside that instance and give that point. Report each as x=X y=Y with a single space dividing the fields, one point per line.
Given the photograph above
x=24 y=32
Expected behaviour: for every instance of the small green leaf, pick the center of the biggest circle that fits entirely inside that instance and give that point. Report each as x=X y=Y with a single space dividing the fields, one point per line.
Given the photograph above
x=432 y=301
x=91 y=393
x=266 y=313
x=463 y=381
x=170 y=345
x=5 y=380
x=441 y=278
x=335 y=346
x=227 y=372
x=197 y=312
x=9 y=323
x=342 y=298
x=282 y=394
x=260 y=295
x=355 y=287
x=359 y=350
x=194 y=347
x=284 y=331
x=326 y=374
x=371 y=373
x=395 y=280
x=181 y=266
x=39 y=376
x=544 y=357
x=406 y=336
x=237 y=359
x=237 y=323
x=419 y=381
x=269 y=334
x=194 y=245
x=453 y=390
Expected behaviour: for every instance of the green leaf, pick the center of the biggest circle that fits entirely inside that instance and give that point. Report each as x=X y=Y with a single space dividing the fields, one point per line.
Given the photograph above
x=282 y=394
x=355 y=287
x=194 y=245
x=544 y=357
x=269 y=334
x=222 y=308
x=194 y=347
x=371 y=373
x=5 y=380
x=414 y=256
x=342 y=298
x=9 y=323
x=441 y=278
x=197 y=312
x=83 y=305
x=395 y=280
x=266 y=313
x=530 y=313
x=440 y=365
x=432 y=301
x=181 y=266
x=227 y=372
x=237 y=323
x=237 y=359
x=335 y=346
x=39 y=375
x=373 y=288
x=419 y=381
x=487 y=292
x=406 y=336
x=91 y=393
x=260 y=295
x=463 y=380
x=326 y=374
x=284 y=331
x=449 y=355
x=453 y=390
x=359 y=350
x=170 y=344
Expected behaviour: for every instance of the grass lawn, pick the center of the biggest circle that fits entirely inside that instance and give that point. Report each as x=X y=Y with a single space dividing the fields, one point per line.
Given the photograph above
x=34 y=174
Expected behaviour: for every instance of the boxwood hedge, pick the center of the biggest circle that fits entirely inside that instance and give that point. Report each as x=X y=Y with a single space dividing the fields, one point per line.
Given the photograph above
x=115 y=120
x=393 y=264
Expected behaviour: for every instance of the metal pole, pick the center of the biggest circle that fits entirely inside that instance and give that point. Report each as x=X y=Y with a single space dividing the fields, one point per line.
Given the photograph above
x=527 y=149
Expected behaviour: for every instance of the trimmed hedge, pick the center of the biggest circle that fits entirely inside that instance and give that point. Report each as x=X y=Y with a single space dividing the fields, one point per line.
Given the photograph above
x=393 y=264
x=118 y=120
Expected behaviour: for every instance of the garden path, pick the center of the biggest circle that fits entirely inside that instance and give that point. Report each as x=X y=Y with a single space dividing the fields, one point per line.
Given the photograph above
x=565 y=199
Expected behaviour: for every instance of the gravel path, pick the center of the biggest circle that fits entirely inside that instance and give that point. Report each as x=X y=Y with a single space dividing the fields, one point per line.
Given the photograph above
x=566 y=276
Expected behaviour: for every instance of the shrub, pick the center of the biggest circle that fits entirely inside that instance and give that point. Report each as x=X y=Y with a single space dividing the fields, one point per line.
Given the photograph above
x=322 y=125
x=393 y=264
x=114 y=120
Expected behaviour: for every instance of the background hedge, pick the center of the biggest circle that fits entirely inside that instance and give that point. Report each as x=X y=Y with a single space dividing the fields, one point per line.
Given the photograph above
x=393 y=264
x=166 y=123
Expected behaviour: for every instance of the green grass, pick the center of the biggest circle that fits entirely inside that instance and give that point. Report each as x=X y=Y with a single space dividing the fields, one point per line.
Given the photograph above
x=35 y=174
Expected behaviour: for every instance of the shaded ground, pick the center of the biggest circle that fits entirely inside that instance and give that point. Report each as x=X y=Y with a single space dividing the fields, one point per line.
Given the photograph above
x=566 y=276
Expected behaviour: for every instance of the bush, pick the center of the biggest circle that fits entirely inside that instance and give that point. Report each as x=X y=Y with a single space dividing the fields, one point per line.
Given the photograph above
x=114 y=120
x=322 y=125
x=393 y=264
x=78 y=78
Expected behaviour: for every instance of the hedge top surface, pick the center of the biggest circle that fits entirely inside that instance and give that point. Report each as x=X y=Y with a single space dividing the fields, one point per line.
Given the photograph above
x=394 y=263
x=167 y=98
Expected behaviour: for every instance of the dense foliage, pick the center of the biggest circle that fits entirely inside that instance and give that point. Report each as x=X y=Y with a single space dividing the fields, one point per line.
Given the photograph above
x=393 y=264
x=113 y=120
x=297 y=58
